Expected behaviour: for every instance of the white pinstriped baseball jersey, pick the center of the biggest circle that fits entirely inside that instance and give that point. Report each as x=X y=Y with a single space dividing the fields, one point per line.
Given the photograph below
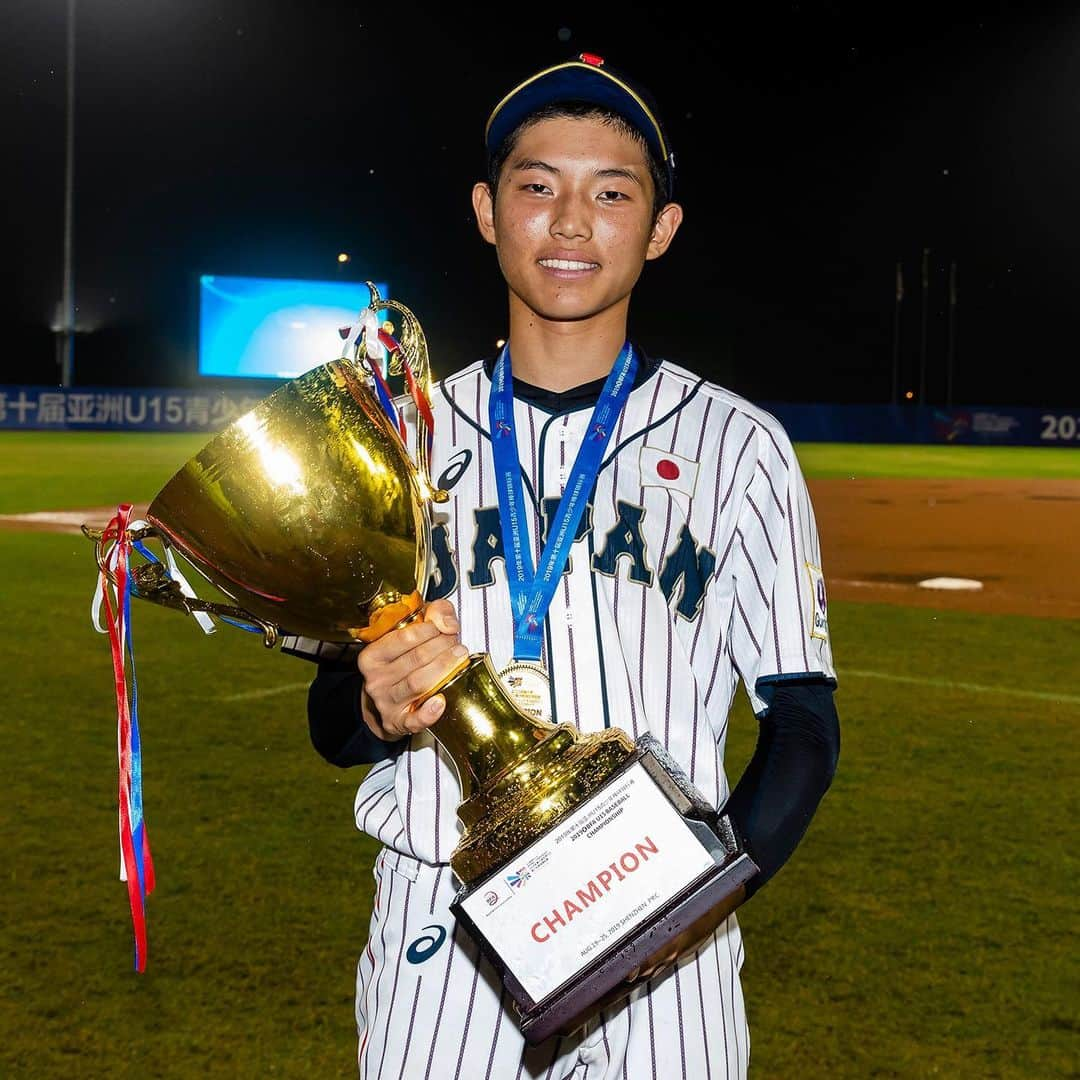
x=696 y=564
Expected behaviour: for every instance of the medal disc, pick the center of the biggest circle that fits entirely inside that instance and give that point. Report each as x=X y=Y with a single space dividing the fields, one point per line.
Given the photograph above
x=529 y=686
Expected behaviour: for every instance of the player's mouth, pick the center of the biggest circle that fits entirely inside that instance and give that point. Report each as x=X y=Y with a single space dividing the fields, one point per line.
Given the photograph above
x=570 y=269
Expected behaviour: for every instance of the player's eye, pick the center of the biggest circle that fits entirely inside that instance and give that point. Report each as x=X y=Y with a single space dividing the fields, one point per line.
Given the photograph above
x=613 y=196
x=536 y=187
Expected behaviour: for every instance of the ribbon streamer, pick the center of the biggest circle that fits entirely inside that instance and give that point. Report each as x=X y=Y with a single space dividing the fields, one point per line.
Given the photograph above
x=423 y=406
x=378 y=345
x=375 y=352
x=114 y=590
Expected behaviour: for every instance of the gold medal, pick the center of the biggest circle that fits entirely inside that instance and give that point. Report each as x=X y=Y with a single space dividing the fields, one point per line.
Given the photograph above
x=529 y=686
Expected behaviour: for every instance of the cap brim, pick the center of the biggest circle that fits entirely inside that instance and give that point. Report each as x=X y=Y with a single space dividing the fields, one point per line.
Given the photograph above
x=577 y=81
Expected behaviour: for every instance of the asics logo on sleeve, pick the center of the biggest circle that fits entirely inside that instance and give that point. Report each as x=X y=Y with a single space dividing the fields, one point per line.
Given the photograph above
x=426 y=945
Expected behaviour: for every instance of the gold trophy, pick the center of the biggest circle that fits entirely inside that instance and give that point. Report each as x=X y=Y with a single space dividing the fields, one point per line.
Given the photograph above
x=309 y=514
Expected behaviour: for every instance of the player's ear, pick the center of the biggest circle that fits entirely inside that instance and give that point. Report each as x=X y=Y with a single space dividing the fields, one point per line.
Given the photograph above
x=664 y=229
x=484 y=207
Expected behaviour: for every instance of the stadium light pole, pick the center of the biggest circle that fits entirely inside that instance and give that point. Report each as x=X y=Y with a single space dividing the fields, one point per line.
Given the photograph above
x=951 y=342
x=895 y=396
x=925 y=313
x=66 y=338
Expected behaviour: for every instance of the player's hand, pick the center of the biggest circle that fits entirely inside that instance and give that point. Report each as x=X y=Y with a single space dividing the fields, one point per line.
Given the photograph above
x=401 y=666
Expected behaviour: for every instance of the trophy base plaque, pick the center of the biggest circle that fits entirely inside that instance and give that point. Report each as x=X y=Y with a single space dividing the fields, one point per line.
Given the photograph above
x=571 y=916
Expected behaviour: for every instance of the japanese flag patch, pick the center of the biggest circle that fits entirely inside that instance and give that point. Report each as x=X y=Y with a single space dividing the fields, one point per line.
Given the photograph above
x=662 y=468
x=819 y=610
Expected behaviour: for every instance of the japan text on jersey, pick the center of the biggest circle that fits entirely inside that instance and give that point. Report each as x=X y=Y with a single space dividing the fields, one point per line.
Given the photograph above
x=695 y=565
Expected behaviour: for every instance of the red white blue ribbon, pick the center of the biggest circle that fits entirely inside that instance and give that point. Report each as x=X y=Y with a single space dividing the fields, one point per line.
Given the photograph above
x=378 y=345
x=136 y=863
x=110 y=612
x=423 y=406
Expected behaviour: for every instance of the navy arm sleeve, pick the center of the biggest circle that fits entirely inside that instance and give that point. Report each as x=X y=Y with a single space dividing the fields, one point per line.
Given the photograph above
x=337 y=727
x=792 y=767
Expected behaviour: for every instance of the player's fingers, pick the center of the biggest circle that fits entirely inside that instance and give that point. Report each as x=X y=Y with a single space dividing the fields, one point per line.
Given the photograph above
x=441 y=613
x=395 y=644
x=430 y=651
x=392 y=688
x=423 y=677
x=397 y=671
x=399 y=683
x=409 y=721
x=423 y=717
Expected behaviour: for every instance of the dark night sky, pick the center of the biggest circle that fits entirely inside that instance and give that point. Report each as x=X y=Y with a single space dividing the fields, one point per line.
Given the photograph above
x=818 y=143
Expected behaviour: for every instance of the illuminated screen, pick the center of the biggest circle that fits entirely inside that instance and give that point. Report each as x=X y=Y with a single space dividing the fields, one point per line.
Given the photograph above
x=271 y=327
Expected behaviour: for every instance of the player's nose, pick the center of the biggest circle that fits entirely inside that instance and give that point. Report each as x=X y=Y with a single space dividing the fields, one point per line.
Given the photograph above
x=570 y=220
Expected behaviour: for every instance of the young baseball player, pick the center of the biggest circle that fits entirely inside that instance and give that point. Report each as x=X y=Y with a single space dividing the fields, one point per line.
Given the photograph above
x=694 y=565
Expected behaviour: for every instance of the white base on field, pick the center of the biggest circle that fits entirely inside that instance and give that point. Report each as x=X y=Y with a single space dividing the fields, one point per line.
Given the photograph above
x=954 y=583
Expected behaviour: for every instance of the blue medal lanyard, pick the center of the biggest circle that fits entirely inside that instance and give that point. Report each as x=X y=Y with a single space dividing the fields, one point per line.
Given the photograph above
x=531 y=592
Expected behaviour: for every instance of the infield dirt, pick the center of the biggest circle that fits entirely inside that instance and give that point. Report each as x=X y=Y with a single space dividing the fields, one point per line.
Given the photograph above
x=1020 y=538
x=881 y=537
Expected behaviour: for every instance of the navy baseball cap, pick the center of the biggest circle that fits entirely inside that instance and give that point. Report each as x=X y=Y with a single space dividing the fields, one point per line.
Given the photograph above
x=587 y=77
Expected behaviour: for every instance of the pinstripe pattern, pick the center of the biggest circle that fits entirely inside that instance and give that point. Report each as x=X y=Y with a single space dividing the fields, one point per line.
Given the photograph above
x=409 y=1034
x=376 y=970
x=652 y=1028
x=669 y=670
x=702 y=1015
x=615 y=588
x=451 y=955
x=640 y=667
x=393 y=993
x=468 y=1012
x=682 y=1033
x=575 y=717
x=500 y=1019
x=744 y=506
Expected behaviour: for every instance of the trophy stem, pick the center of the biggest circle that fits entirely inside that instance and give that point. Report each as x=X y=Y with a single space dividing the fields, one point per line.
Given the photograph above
x=482 y=729
x=518 y=774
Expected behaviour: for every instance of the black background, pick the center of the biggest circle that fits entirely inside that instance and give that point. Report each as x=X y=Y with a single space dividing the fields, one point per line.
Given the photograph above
x=817 y=143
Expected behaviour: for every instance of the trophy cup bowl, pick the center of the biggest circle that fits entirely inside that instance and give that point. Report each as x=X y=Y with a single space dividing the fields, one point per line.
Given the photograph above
x=309 y=514
x=302 y=512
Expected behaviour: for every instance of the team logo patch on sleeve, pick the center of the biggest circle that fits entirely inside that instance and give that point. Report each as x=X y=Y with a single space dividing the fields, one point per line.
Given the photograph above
x=662 y=468
x=819 y=610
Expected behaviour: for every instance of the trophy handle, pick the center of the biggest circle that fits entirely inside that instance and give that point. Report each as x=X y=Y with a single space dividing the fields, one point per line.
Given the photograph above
x=153 y=582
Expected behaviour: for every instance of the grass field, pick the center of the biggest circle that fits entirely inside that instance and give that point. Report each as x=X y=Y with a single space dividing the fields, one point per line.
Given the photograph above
x=45 y=470
x=926 y=927
x=823 y=460
x=42 y=470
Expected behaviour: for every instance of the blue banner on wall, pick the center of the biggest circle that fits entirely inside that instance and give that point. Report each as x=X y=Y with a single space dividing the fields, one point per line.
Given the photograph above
x=139 y=409
x=989 y=425
x=111 y=409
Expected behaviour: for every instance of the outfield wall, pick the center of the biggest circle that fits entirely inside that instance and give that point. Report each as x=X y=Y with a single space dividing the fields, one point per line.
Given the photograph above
x=140 y=409
x=89 y=408
x=983 y=425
